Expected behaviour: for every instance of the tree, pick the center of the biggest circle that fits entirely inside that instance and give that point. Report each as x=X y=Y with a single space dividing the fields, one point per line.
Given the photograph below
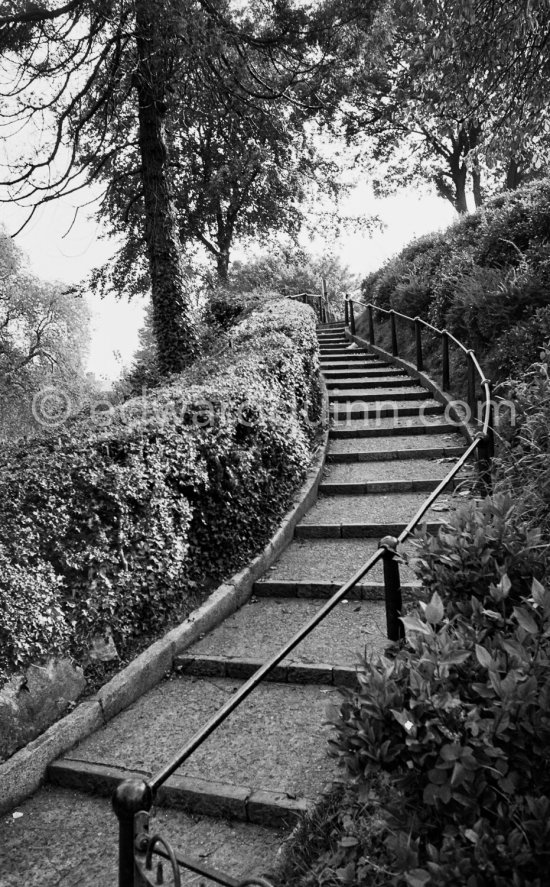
x=292 y=271
x=43 y=342
x=446 y=90
x=238 y=165
x=76 y=64
x=86 y=66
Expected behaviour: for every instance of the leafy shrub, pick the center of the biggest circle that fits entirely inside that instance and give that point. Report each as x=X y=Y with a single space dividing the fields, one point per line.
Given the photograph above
x=184 y=483
x=518 y=347
x=33 y=625
x=523 y=465
x=485 y=274
x=480 y=543
x=458 y=720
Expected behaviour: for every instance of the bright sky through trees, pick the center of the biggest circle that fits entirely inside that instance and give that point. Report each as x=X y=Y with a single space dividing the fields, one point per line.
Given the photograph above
x=69 y=258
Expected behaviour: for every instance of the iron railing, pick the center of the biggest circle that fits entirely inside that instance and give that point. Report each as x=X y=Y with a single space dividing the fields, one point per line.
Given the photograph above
x=133 y=799
x=320 y=302
x=483 y=427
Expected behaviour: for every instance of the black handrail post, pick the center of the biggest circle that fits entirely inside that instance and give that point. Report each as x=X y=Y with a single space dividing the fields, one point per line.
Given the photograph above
x=129 y=798
x=346 y=311
x=472 y=386
x=446 y=371
x=394 y=349
x=418 y=336
x=392 y=589
x=371 y=325
x=351 y=317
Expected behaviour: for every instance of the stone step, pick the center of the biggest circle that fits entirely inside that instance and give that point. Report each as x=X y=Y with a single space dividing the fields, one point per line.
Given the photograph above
x=332 y=336
x=316 y=562
x=333 y=325
x=411 y=474
x=389 y=427
x=373 y=515
x=335 y=355
x=365 y=373
x=195 y=795
x=338 y=350
x=367 y=449
x=347 y=412
x=305 y=673
x=303 y=589
x=329 y=488
x=64 y=838
x=264 y=764
x=399 y=392
x=261 y=627
x=364 y=364
x=366 y=382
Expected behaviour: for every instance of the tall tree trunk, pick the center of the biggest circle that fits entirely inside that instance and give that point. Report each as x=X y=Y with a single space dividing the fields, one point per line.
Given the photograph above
x=459 y=174
x=173 y=320
x=476 y=183
x=513 y=175
x=222 y=265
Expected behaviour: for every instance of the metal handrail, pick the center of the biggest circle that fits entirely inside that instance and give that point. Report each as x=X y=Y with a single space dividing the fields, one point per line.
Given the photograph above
x=483 y=381
x=133 y=796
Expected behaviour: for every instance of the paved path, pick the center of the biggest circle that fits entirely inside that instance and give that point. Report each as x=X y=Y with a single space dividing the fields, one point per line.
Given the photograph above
x=389 y=445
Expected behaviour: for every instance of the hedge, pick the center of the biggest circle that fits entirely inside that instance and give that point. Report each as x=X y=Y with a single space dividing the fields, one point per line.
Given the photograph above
x=486 y=279
x=113 y=520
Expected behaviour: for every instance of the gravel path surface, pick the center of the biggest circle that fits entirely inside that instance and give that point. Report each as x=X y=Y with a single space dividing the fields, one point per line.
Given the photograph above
x=388 y=470
x=68 y=839
x=330 y=560
x=276 y=740
x=373 y=508
x=396 y=444
x=259 y=629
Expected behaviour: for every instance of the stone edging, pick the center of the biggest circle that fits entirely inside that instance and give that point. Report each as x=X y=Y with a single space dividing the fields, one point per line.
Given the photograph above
x=24 y=772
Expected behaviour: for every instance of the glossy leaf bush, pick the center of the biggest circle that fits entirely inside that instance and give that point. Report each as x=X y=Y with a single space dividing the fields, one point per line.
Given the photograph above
x=457 y=720
x=120 y=515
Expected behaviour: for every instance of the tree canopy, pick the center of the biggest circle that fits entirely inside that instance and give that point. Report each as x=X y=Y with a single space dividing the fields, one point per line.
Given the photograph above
x=449 y=91
x=43 y=340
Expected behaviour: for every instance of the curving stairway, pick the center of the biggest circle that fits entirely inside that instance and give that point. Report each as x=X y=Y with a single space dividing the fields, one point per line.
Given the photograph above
x=234 y=801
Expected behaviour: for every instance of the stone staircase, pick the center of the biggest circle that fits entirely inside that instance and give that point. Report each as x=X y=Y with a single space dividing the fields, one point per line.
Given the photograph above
x=242 y=790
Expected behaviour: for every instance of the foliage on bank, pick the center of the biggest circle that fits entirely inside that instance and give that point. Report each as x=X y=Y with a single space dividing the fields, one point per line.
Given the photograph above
x=445 y=743
x=486 y=279
x=112 y=520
